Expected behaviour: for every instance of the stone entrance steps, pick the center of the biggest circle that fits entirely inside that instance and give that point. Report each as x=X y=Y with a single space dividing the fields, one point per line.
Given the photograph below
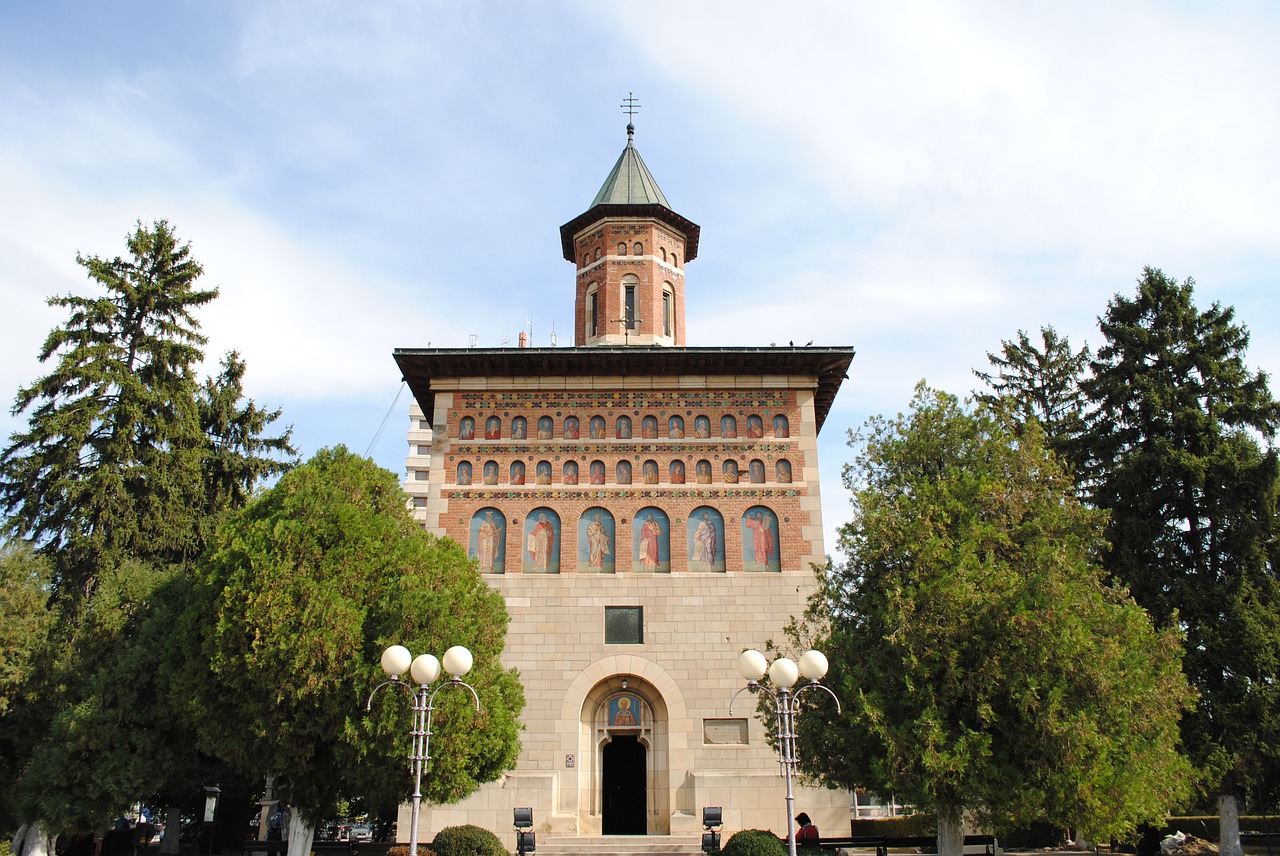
x=621 y=845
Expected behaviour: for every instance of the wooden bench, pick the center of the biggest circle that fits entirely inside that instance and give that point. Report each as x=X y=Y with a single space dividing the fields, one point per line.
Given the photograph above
x=882 y=844
x=254 y=845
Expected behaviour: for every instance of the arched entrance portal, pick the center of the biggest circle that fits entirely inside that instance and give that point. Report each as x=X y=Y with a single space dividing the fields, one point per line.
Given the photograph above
x=625 y=783
x=623 y=791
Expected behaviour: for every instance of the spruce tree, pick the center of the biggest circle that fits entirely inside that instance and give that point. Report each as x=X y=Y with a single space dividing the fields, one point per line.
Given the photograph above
x=1041 y=384
x=1179 y=447
x=109 y=464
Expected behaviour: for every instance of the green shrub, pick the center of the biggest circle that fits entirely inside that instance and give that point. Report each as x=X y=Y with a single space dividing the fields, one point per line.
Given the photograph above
x=754 y=842
x=467 y=840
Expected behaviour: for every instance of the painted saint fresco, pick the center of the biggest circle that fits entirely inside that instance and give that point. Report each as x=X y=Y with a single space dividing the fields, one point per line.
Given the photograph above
x=489 y=540
x=677 y=472
x=467 y=428
x=731 y=472
x=493 y=428
x=517 y=472
x=546 y=427
x=760 y=547
x=519 y=428
x=649 y=428
x=703 y=472
x=649 y=471
x=596 y=533
x=755 y=427
x=702 y=427
x=464 y=472
x=490 y=472
x=543 y=472
x=571 y=429
x=624 y=428
x=728 y=427
x=570 y=472
x=781 y=427
x=597 y=472
x=597 y=427
x=652 y=541
x=782 y=471
x=675 y=428
x=624 y=472
x=755 y=472
x=624 y=711
x=706 y=541
x=542 y=542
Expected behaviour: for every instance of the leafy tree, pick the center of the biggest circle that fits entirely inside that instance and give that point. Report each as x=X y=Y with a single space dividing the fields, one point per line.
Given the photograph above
x=24 y=591
x=298 y=597
x=1179 y=442
x=983 y=664
x=1041 y=384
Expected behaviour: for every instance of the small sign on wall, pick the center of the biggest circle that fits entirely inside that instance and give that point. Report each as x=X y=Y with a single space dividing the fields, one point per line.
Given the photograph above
x=569 y=762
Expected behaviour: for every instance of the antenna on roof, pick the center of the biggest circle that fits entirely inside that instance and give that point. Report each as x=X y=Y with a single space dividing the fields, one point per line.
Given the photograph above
x=553 y=334
x=630 y=105
x=472 y=339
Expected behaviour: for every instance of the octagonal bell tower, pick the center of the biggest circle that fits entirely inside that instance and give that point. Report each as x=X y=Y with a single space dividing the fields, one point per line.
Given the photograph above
x=630 y=250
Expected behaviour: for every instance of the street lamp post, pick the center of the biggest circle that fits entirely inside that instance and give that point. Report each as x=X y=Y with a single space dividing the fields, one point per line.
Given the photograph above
x=424 y=669
x=783 y=674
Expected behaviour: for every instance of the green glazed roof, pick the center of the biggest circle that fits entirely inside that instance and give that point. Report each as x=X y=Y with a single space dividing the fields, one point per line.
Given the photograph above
x=630 y=182
x=630 y=191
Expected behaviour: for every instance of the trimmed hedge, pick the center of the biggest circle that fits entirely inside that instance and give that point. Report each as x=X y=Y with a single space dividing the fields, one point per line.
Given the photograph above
x=754 y=842
x=467 y=840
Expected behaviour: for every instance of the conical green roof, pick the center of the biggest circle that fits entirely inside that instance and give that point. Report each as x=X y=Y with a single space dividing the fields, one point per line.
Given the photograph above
x=630 y=191
x=630 y=182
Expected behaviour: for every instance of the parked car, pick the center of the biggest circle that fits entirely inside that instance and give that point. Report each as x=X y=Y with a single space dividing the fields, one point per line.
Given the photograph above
x=361 y=832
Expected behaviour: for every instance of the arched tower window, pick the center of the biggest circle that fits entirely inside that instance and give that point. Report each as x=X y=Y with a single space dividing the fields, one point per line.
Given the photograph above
x=593 y=310
x=630 y=284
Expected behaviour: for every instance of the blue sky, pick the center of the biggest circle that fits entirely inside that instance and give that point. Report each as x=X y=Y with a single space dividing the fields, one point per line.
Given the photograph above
x=917 y=180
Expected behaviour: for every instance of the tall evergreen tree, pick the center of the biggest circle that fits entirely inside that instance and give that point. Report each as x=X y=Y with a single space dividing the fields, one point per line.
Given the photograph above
x=982 y=663
x=1179 y=445
x=126 y=463
x=109 y=464
x=1042 y=384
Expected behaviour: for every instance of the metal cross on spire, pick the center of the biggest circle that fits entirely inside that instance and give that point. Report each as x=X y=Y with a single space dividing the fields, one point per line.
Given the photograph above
x=630 y=105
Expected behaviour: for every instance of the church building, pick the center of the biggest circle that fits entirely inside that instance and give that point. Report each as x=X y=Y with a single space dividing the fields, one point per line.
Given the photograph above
x=648 y=510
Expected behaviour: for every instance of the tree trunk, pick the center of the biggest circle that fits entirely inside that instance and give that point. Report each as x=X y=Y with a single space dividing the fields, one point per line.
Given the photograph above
x=1229 y=826
x=301 y=834
x=950 y=831
x=172 y=825
x=15 y=846
x=38 y=841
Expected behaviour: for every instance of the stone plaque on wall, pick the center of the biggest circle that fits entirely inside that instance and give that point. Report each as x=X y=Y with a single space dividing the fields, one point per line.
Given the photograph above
x=724 y=732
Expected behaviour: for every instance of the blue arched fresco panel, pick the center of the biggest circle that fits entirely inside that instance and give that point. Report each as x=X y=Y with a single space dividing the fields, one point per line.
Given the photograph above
x=488 y=541
x=705 y=531
x=597 y=542
x=651 y=541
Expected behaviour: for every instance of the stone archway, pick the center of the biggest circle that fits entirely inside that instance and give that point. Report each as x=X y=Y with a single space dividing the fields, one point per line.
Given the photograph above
x=662 y=729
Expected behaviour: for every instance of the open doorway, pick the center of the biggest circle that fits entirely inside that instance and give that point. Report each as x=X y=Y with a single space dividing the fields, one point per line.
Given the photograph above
x=624 y=803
